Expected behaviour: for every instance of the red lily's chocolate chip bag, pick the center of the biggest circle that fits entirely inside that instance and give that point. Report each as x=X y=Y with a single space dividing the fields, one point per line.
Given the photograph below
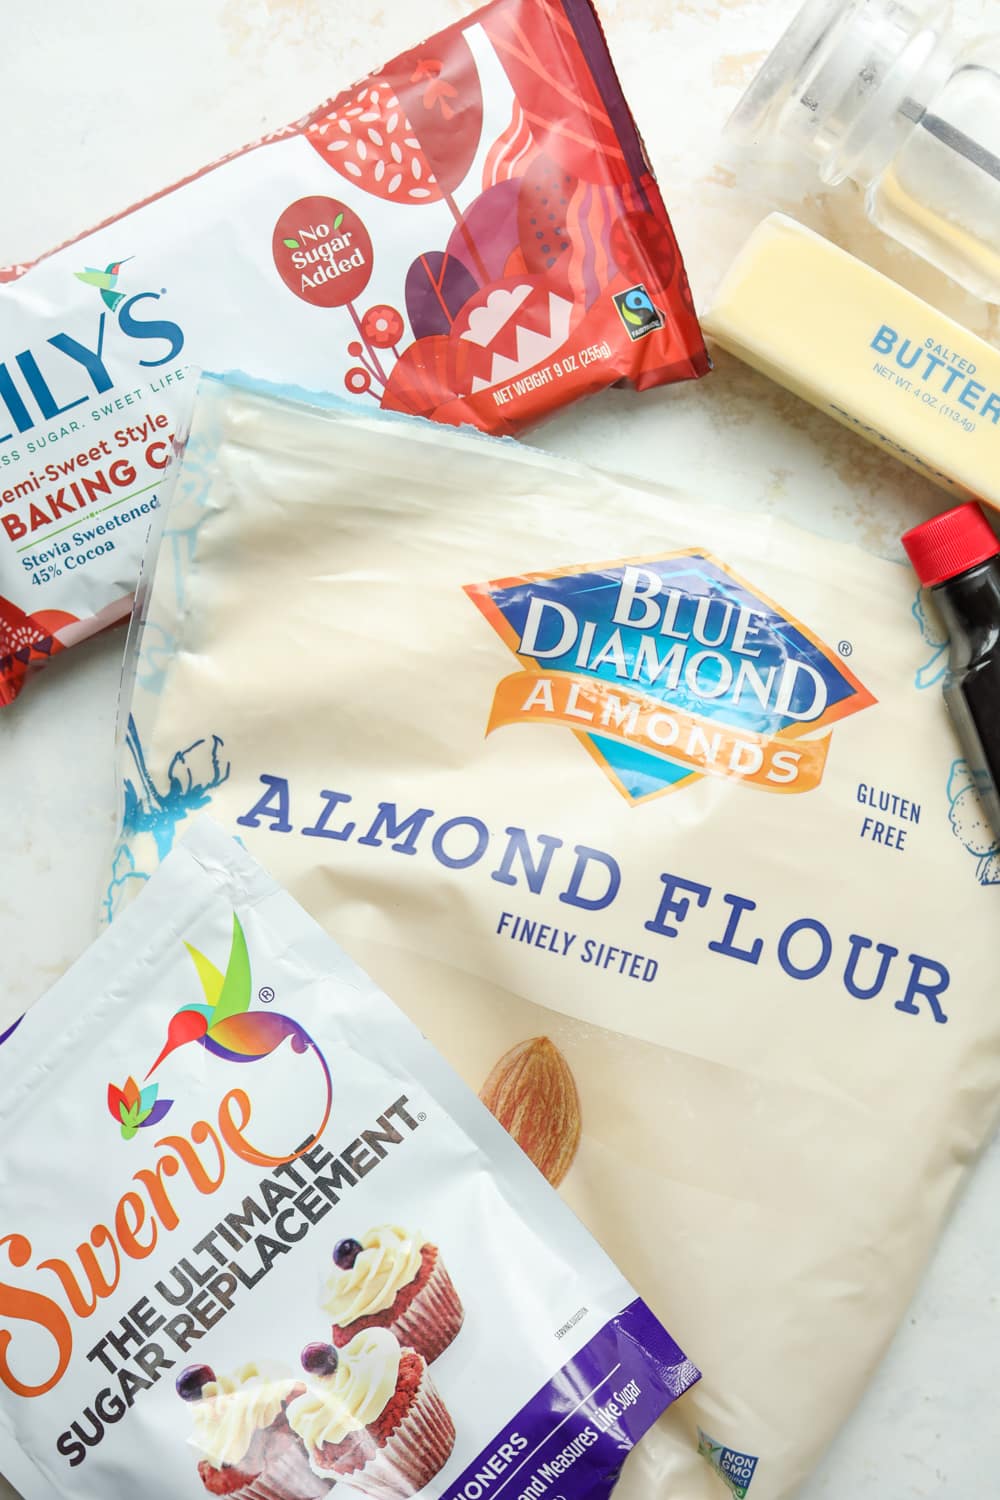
x=473 y=234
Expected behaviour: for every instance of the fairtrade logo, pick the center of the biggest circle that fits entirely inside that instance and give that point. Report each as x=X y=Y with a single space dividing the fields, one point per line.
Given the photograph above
x=225 y=1026
x=669 y=669
x=105 y=281
x=638 y=312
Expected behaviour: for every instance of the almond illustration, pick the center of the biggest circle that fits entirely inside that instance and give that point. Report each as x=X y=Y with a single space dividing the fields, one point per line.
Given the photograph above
x=531 y=1091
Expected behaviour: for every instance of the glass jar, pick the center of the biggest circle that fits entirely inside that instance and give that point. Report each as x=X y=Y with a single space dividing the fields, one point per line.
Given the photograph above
x=882 y=92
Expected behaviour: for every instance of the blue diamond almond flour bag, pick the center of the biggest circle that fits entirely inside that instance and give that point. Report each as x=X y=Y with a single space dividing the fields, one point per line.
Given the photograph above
x=258 y=1240
x=650 y=816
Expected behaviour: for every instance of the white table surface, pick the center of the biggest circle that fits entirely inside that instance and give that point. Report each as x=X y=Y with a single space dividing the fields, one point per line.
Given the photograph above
x=101 y=104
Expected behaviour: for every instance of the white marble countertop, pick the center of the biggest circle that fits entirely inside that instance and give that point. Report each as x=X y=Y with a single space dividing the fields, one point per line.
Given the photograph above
x=99 y=106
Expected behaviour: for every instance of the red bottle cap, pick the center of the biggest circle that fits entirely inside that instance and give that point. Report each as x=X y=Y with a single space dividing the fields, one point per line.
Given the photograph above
x=950 y=544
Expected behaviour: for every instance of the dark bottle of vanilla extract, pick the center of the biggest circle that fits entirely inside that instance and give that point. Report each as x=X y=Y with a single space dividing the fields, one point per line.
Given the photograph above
x=957 y=556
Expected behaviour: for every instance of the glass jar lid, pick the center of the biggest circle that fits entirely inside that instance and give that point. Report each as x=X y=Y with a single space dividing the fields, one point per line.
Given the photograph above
x=846 y=80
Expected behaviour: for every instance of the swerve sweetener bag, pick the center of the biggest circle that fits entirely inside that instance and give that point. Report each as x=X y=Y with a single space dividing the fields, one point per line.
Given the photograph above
x=472 y=234
x=636 y=808
x=259 y=1239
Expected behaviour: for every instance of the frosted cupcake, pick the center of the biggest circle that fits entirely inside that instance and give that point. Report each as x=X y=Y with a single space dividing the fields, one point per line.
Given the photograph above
x=393 y=1279
x=371 y=1415
x=248 y=1450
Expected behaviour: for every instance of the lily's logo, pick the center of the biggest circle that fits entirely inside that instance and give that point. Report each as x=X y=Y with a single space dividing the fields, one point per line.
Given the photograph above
x=668 y=669
x=225 y=1026
x=73 y=365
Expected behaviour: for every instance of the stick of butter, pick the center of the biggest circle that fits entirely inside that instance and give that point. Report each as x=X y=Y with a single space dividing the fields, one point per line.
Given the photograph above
x=880 y=360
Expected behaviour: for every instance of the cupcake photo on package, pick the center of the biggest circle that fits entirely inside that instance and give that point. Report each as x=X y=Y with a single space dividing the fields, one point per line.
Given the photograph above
x=204 y=1311
x=372 y=1415
x=393 y=1279
x=241 y=1429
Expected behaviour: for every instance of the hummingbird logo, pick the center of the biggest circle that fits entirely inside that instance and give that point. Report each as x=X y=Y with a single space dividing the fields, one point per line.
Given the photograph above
x=105 y=281
x=225 y=1026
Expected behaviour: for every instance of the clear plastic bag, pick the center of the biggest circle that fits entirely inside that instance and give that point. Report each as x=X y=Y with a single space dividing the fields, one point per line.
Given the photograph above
x=646 y=813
